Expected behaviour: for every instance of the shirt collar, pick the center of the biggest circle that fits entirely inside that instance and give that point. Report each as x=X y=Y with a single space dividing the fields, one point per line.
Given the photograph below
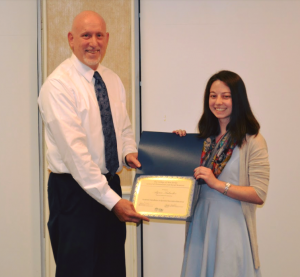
x=83 y=69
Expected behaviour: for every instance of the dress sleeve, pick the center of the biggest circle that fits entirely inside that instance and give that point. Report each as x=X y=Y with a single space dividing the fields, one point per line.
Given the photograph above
x=58 y=109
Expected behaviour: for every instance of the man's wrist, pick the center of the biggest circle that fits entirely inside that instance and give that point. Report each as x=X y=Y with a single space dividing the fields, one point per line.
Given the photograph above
x=126 y=161
x=110 y=199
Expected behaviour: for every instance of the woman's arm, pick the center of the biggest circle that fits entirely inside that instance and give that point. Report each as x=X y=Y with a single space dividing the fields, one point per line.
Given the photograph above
x=242 y=193
x=258 y=160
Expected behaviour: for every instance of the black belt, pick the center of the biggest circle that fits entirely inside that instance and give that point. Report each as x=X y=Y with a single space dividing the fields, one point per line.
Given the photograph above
x=108 y=176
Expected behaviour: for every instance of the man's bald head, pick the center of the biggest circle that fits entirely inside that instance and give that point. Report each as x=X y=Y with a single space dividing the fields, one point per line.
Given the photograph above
x=81 y=17
x=88 y=38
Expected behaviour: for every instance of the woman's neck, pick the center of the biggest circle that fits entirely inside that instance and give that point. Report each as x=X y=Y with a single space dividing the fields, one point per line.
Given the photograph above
x=220 y=136
x=223 y=124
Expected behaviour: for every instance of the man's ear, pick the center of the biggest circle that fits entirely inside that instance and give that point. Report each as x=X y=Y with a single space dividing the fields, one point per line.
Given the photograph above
x=107 y=37
x=71 y=40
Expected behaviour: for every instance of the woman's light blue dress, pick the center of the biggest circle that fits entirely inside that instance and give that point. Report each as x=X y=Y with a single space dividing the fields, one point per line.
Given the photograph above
x=217 y=242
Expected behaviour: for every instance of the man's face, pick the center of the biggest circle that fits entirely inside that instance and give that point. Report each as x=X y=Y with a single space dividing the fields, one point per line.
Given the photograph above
x=88 y=40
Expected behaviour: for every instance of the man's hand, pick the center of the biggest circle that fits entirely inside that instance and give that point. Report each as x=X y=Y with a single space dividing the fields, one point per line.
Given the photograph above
x=125 y=212
x=132 y=160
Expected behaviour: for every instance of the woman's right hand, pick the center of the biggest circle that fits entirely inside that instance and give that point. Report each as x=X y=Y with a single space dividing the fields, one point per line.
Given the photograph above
x=181 y=133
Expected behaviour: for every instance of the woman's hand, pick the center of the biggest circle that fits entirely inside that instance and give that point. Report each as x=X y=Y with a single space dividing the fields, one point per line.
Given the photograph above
x=207 y=175
x=242 y=193
x=181 y=133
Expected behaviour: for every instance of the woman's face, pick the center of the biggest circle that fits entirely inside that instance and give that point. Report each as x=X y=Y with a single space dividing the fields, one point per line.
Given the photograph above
x=220 y=102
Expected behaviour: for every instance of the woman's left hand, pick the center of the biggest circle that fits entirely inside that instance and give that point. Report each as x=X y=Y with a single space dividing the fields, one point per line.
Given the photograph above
x=207 y=175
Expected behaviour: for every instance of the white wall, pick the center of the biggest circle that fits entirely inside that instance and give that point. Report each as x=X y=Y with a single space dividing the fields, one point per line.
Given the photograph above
x=20 y=253
x=184 y=42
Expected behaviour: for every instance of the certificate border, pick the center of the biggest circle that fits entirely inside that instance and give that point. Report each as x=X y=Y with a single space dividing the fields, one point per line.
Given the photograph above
x=158 y=215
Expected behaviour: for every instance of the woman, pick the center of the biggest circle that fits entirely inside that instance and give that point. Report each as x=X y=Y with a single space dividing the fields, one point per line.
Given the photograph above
x=234 y=176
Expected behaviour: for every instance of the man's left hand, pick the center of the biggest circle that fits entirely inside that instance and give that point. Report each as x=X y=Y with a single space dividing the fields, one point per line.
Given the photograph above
x=125 y=212
x=132 y=160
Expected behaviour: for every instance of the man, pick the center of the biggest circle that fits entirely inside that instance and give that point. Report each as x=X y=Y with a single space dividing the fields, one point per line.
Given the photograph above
x=86 y=146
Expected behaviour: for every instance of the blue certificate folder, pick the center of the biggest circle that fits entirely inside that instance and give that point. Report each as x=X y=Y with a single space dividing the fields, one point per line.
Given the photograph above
x=168 y=154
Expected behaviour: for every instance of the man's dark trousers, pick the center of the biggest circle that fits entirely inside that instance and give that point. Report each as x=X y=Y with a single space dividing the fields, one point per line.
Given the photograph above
x=87 y=239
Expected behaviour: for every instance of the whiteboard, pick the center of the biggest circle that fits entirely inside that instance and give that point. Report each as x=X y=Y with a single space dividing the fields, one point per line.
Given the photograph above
x=183 y=43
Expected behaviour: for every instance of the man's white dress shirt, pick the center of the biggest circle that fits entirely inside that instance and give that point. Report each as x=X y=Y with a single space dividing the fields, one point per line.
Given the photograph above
x=73 y=128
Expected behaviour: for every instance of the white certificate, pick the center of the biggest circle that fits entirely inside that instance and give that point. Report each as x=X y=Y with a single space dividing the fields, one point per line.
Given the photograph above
x=167 y=197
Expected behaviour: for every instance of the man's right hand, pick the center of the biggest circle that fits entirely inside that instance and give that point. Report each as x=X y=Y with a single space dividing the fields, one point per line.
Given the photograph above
x=125 y=212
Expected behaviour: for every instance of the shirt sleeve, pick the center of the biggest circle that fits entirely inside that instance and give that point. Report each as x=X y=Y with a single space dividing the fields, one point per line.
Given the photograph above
x=128 y=141
x=58 y=109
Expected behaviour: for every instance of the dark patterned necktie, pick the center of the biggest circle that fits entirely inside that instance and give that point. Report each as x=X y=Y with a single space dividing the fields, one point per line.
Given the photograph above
x=110 y=141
